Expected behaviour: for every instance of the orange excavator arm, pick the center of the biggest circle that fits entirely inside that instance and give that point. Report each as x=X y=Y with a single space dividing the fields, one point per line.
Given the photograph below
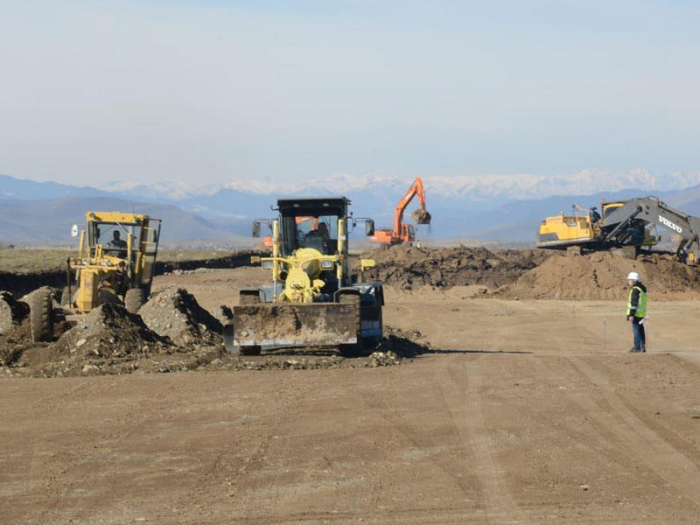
x=421 y=216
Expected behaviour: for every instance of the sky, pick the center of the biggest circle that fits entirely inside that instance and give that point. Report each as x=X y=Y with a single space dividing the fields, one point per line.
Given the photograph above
x=205 y=91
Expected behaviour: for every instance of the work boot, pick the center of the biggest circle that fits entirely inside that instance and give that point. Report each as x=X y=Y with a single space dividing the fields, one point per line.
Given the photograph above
x=632 y=350
x=643 y=349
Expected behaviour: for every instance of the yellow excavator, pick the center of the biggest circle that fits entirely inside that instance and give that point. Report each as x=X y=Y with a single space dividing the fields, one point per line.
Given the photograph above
x=115 y=263
x=314 y=302
x=624 y=224
x=587 y=229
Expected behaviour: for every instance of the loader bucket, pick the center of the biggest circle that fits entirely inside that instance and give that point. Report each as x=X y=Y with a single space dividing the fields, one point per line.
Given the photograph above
x=421 y=217
x=308 y=326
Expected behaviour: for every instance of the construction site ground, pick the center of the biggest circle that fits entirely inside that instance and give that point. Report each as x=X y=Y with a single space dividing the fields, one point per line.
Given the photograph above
x=518 y=410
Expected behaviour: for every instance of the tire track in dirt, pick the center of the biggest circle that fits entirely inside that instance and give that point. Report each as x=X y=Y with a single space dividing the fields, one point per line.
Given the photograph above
x=679 y=442
x=417 y=438
x=298 y=389
x=40 y=474
x=460 y=380
x=650 y=449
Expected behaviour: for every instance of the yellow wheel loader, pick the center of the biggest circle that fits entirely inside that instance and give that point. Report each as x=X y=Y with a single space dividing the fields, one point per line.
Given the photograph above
x=115 y=263
x=314 y=302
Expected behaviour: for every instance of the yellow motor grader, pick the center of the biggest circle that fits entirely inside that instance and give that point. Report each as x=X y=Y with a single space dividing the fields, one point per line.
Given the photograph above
x=115 y=263
x=314 y=302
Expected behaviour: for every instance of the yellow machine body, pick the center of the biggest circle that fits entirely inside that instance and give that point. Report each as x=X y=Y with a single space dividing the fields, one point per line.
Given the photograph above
x=313 y=302
x=579 y=229
x=104 y=273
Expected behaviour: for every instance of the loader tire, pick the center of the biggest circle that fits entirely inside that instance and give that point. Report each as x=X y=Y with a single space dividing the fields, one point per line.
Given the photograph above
x=41 y=316
x=134 y=299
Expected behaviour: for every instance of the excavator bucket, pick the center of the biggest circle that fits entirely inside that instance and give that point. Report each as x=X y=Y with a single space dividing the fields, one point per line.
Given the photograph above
x=306 y=326
x=421 y=217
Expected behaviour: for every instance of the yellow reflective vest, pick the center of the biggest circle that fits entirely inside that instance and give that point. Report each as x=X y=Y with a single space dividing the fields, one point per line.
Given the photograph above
x=641 y=309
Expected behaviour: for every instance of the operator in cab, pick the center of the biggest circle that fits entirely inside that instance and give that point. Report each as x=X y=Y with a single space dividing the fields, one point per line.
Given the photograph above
x=117 y=244
x=319 y=238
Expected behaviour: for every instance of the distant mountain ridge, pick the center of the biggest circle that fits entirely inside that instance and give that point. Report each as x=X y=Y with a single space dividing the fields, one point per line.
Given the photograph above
x=499 y=207
x=478 y=187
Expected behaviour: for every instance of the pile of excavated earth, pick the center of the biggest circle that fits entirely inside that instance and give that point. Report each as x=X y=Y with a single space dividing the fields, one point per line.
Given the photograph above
x=532 y=274
x=171 y=333
x=602 y=276
x=410 y=268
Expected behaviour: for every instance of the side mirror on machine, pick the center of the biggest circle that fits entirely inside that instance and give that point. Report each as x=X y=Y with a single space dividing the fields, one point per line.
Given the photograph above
x=74 y=230
x=369 y=227
x=256 y=229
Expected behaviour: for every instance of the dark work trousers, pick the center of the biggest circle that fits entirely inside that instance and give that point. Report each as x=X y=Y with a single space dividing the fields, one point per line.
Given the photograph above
x=640 y=341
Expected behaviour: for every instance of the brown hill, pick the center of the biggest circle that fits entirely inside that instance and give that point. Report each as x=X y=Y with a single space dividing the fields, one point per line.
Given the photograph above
x=602 y=276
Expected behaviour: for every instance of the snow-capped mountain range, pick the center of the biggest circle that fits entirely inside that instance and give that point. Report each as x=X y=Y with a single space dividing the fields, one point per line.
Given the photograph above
x=475 y=188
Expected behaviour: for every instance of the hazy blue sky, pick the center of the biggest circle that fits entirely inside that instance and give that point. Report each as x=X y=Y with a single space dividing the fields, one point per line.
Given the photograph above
x=206 y=91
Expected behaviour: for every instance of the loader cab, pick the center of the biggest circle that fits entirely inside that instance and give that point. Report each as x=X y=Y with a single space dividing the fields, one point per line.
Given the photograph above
x=311 y=223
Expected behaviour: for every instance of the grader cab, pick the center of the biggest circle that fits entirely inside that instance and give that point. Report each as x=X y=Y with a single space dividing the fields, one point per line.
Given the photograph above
x=314 y=302
x=115 y=263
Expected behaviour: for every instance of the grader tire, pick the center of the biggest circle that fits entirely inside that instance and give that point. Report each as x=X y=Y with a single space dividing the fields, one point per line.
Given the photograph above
x=41 y=316
x=134 y=299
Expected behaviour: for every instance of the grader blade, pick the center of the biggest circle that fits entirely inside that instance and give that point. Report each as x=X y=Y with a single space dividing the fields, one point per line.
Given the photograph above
x=317 y=325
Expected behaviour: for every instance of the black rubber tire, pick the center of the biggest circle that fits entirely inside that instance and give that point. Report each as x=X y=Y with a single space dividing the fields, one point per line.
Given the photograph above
x=134 y=299
x=66 y=296
x=41 y=316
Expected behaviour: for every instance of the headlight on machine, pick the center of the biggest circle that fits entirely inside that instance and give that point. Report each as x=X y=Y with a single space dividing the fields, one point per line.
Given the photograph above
x=327 y=265
x=267 y=265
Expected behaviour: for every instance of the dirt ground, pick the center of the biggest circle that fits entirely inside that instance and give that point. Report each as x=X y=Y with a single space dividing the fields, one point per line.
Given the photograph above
x=525 y=411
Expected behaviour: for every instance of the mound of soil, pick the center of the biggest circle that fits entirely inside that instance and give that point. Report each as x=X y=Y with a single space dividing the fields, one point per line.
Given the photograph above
x=409 y=268
x=110 y=330
x=603 y=276
x=15 y=336
x=12 y=312
x=105 y=337
x=176 y=314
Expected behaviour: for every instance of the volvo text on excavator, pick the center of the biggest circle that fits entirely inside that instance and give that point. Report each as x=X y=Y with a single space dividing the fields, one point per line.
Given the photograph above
x=402 y=232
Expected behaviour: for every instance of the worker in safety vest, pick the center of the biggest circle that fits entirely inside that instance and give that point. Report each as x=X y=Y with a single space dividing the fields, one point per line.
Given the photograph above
x=637 y=311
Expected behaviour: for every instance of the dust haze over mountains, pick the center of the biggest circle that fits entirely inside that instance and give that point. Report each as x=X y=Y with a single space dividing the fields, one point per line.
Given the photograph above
x=490 y=207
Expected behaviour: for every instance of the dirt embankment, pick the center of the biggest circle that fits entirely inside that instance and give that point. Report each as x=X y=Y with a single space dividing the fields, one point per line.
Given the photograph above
x=603 y=276
x=409 y=268
x=23 y=283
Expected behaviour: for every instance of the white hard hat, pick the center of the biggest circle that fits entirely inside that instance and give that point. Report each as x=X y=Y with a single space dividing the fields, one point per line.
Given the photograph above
x=633 y=276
